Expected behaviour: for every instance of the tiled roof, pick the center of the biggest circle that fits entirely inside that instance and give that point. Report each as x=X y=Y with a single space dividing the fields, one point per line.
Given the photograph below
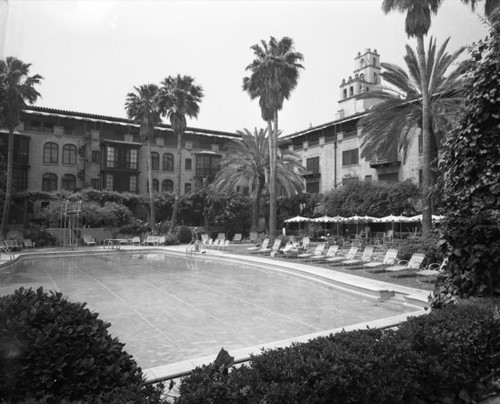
x=116 y=120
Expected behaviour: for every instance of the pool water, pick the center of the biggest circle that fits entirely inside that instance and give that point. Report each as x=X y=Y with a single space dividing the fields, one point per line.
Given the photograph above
x=168 y=309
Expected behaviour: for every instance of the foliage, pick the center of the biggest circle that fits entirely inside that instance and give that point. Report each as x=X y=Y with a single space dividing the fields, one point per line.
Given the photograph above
x=39 y=236
x=449 y=355
x=54 y=349
x=231 y=211
x=472 y=183
x=372 y=198
x=171 y=239
x=303 y=204
x=184 y=235
x=134 y=228
x=428 y=246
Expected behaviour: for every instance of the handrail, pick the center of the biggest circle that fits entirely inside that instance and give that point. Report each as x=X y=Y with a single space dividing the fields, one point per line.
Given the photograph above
x=5 y=249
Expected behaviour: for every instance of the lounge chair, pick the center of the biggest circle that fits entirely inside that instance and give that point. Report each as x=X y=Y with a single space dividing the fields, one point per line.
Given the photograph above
x=221 y=236
x=253 y=236
x=28 y=243
x=151 y=240
x=88 y=240
x=13 y=245
x=237 y=238
x=224 y=245
x=432 y=271
x=318 y=251
x=356 y=262
x=256 y=248
x=330 y=253
x=273 y=249
x=350 y=255
x=414 y=263
x=161 y=240
x=136 y=241
x=390 y=258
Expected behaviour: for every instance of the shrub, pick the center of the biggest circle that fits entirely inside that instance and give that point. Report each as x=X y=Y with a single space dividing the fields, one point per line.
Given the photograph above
x=449 y=355
x=184 y=235
x=53 y=349
x=428 y=246
x=171 y=239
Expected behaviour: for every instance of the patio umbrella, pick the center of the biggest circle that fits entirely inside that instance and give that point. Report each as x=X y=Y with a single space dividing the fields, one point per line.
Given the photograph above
x=297 y=219
x=323 y=219
x=418 y=218
x=394 y=219
x=355 y=219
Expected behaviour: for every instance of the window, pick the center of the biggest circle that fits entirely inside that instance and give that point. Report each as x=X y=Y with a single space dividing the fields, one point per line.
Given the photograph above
x=156 y=185
x=131 y=159
x=167 y=186
x=420 y=143
x=168 y=162
x=19 y=178
x=388 y=177
x=111 y=158
x=351 y=91
x=206 y=165
x=188 y=164
x=350 y=157
x=312 y=164
x=49 y=182
x=312 y=187
x=133 y=183
x=155 y=161
x=375 y=78
x=96 y=156
x=69 y=154
x=68 y=182
x=95 y=183
x=50 y=153
x=344 y=93
x=187 y=188
x=108 y=182
x=420 y=177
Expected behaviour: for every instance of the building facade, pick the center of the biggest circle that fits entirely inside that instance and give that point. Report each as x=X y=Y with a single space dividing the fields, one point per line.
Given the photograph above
x=331 y=152
x=62 y=150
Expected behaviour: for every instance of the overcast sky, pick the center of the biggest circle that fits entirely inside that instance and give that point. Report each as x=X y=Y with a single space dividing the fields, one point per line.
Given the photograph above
x=91 y=53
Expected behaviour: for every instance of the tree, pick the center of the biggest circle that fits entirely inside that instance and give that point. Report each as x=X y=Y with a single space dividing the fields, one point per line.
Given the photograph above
x=417 y=24
x=472 y=184
x=248 y=166
x=491 y=7
x=17 y=88
x=274 y=75
x=395 y=121
x=179 y=97
x=142 y=108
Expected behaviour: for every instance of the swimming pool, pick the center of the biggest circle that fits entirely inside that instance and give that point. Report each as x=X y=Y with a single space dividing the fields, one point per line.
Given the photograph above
x=168 y=309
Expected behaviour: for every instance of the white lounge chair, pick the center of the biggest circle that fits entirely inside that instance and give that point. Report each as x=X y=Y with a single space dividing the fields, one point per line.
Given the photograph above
x=348 y=256
x=432 y=271
x=318 y=251
x=274 y=248
x=413 y=264
x=28 y=243
x=365 y=257
x=256 y=248
x=88 y=239
x=330 y=253
x=237 y=238
x=390 y=258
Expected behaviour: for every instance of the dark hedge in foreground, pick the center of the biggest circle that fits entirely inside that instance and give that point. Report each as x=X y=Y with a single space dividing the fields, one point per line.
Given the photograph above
x=55 y=350
x=450 y=355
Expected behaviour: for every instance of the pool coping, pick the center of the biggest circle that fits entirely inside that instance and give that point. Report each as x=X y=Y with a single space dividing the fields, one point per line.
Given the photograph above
x=415 y=298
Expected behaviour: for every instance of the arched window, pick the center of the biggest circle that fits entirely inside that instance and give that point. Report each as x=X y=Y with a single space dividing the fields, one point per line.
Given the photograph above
x=50 y=153
x=49 y=182
x=155 y=185
x=345 y=92
x=375 y=78
x=68 y=182
x=69 y=154
x=362 y=61
x=155 y=161
x=351 y=91
x=168 y=162
x=167 y=186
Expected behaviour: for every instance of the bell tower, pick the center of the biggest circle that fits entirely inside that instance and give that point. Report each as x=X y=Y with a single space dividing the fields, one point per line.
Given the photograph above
x=366 y=77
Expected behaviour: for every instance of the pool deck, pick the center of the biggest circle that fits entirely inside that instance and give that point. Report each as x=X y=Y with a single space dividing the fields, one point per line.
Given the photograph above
x=415 y=298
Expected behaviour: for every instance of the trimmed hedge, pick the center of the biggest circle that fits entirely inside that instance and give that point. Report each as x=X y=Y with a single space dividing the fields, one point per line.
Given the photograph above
x=54 y=350
x=450 y=355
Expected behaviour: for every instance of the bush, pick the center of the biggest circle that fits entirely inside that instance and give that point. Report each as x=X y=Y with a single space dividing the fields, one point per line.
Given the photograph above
x=56 y=350
x=449 y=355
x=171 y=239
x=428 y=246
x=184 y=235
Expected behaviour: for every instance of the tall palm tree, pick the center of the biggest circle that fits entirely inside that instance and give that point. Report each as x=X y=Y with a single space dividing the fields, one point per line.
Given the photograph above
x=142 y=108
x=17 y=88
x=179 y=97
x=274 y=75
x=491 y=7
x=248 y=165
x=394 y=122
x=417 y=24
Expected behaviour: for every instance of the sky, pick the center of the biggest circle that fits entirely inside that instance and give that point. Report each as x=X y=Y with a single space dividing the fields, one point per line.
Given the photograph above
x=91 y=53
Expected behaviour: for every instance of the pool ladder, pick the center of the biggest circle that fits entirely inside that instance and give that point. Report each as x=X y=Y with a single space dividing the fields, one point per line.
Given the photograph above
x=190 y=248
x=4 y=249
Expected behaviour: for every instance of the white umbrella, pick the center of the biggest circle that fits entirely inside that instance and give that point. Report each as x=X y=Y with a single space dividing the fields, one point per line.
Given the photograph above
x=394 y=219
x=297 y=219
x=323 y=219
x=418 y=218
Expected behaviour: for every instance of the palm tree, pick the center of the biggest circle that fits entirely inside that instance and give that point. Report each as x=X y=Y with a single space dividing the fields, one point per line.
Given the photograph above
x=248 y=165
x=394 y=122
x=179 y=97
x=17 y=88
x=417 y=24
x=274 y=75
x=142 y=108
x=491 y=7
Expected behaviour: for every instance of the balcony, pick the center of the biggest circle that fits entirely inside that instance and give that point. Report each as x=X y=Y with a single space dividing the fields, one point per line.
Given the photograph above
x=387 y=162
